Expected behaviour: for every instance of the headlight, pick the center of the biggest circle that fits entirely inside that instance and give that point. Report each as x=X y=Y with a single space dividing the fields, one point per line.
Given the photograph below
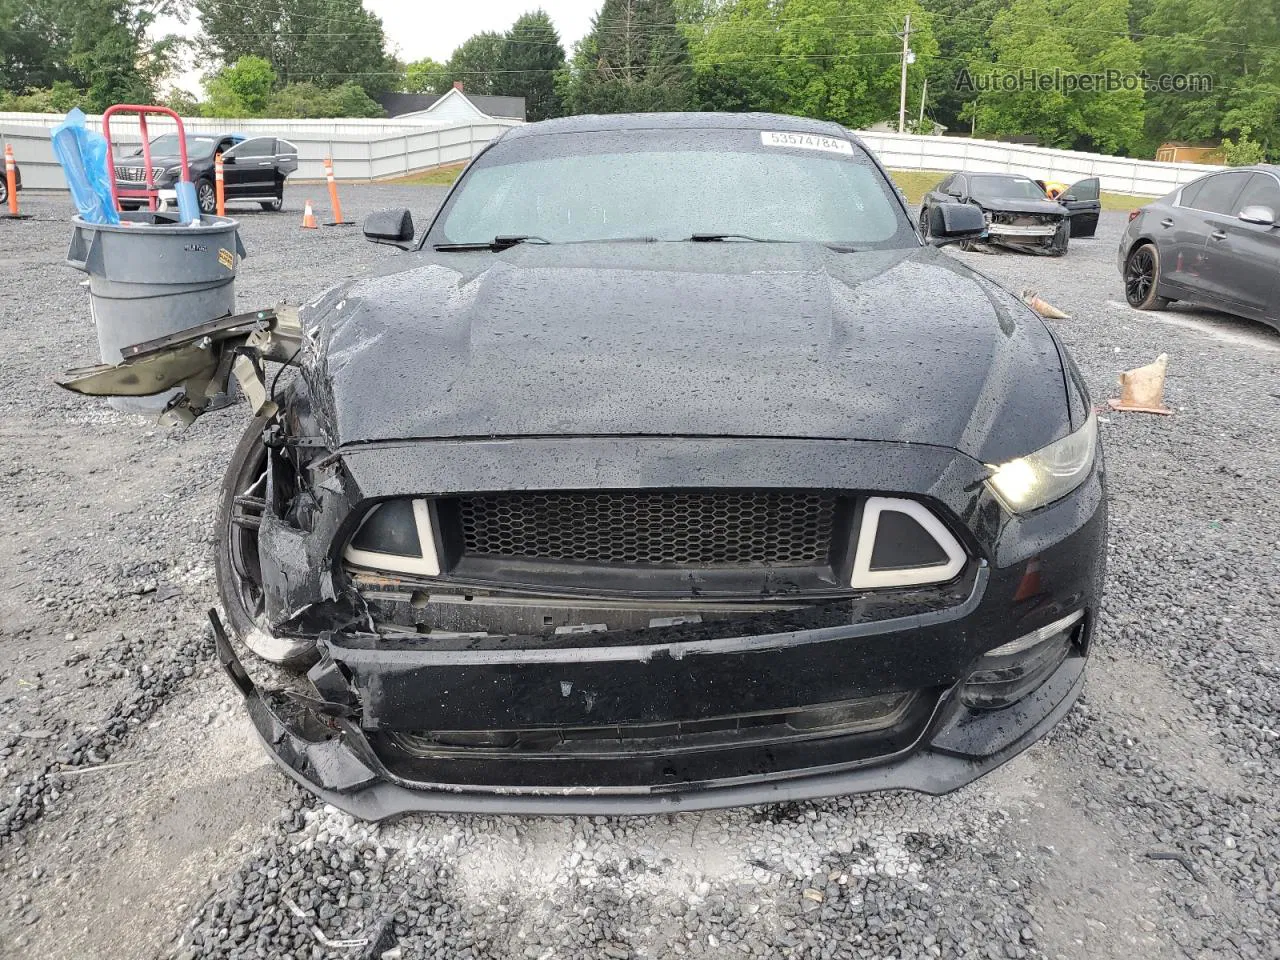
x=1050 y=473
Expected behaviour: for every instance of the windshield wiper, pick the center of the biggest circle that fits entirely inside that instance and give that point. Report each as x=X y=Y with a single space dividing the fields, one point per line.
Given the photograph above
x=714 y=237
x=497 y=244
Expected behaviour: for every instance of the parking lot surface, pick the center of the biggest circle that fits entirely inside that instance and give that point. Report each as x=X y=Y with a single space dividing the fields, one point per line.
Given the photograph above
x=140 y=818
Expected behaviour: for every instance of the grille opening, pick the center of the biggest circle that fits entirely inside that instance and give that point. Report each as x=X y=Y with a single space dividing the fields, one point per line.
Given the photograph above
x=650 y=528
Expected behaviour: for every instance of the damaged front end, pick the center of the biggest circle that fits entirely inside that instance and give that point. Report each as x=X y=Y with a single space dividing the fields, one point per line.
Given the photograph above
x=1042 y=233
x=618 y=624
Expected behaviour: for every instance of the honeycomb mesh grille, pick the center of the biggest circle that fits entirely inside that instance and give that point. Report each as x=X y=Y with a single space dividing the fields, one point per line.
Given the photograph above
x=652 y=527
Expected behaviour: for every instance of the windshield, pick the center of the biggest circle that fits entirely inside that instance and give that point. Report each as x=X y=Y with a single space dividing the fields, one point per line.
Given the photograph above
x=1006 y=188
x=673 y=184
x=198 y=148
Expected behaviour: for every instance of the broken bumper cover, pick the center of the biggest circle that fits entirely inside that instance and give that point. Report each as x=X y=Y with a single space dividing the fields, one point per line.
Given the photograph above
x=937 y=745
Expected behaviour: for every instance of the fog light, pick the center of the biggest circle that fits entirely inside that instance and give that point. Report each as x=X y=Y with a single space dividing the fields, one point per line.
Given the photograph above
x=1011 y=671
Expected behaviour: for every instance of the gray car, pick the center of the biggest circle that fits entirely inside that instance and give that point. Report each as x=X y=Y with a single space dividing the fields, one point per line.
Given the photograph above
x=1213 y=241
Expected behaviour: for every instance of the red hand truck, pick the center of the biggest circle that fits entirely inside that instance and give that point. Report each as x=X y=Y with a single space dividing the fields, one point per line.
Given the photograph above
x=150 y=192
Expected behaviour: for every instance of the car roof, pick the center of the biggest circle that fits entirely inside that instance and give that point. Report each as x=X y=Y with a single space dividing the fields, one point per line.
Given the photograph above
x=593 y=123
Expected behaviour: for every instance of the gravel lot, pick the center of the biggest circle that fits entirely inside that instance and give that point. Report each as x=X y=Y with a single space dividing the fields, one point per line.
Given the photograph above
x=139 y=817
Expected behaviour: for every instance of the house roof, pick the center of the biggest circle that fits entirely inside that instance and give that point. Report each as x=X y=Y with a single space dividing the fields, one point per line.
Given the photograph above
x=399 y=104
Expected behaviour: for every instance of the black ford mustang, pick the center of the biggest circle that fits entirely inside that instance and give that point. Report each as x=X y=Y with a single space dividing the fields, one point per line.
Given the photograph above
x=667 y=470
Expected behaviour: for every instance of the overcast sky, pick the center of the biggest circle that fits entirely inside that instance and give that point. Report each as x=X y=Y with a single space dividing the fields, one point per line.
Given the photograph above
x=433 y=28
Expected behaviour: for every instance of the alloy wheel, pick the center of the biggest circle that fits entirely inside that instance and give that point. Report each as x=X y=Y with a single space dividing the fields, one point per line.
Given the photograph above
x=1139 y=276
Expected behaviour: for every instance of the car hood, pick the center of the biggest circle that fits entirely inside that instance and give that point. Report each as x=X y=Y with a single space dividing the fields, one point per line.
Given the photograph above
x=1023 y=206
x=654 y=339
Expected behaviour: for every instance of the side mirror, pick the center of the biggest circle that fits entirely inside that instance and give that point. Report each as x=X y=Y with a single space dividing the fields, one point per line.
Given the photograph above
x=393 y=227
x=949 y=222
x=1067 y=198
x=226 y=160
x=1256 y=213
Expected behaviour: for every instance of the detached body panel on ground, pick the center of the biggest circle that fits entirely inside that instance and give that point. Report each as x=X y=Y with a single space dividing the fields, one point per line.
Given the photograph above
x=632 y=490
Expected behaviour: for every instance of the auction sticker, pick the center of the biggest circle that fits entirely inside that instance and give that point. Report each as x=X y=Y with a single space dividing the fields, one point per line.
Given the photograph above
x=805 y=141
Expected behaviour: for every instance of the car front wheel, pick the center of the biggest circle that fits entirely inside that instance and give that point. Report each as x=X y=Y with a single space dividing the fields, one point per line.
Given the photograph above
x=1142 y=279
x=239 y=572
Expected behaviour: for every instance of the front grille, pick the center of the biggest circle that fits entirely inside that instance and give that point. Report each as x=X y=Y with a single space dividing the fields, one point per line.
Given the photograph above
x=702 y=528
x=138 y=174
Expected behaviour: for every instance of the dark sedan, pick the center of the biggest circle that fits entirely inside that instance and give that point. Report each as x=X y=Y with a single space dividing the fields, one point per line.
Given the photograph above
x=1019 y=214
x=254 y=169
x=667 y=470
x=1215 y=241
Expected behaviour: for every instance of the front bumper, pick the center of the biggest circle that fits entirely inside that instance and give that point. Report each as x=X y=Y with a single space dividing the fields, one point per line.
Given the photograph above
x=371 y=689
x=335 y=762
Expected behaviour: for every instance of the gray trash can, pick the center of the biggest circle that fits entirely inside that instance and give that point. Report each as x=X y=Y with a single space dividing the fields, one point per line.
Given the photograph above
x=153 y=277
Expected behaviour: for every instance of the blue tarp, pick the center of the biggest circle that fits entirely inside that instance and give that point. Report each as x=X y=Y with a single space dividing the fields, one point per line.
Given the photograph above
x=83 y=155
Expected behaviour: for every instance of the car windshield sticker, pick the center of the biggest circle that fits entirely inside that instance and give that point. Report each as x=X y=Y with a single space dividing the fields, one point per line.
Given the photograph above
x=805 y=141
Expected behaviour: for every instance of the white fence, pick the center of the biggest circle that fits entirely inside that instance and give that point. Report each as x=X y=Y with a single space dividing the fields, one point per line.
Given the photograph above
x=361 y=149
x=1143 y=178
x=374 y=149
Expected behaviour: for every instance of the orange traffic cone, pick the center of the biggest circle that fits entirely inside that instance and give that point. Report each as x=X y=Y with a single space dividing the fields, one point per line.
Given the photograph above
x=308 y=217
x=1142 y=389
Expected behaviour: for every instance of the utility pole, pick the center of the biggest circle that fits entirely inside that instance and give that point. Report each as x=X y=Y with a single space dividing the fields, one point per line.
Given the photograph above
x=902 y=100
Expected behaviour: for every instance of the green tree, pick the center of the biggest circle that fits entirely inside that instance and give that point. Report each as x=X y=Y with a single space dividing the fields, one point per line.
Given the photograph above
x=325 y=42
x=530 y=58
x=1235 y=43
x=240 y=90
x=306 y=100
x=635 y=58
x=423 y=76
x=1031 y=34
x=832 y=59
x=1243 y=152
x=476 y=64
x=960 y=27
x=59 y=98
x=99 y=47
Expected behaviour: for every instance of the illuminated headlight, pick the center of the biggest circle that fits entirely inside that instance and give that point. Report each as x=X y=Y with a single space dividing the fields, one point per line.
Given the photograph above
x=1050 y=473
x=397 y=536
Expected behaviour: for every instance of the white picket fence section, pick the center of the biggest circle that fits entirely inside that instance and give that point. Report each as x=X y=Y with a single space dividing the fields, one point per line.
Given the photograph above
x=1143 y=178
x=376 y=149
x=361 y=149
